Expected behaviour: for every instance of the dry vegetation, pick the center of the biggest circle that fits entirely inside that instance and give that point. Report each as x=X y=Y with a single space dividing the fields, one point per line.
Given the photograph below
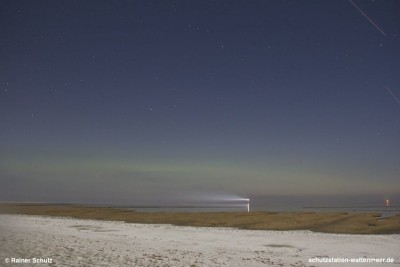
x=356 y=223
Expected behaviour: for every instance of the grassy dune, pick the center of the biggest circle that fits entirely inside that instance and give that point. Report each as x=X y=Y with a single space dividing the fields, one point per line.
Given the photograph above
x=349 y=223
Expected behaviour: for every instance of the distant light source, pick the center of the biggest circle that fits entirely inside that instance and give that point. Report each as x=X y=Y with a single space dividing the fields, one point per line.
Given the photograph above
x=387 y=201
x=248 y=204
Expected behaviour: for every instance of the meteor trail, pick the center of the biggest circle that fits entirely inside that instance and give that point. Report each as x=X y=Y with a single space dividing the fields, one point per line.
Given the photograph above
x=392 y=94
x=368 y=18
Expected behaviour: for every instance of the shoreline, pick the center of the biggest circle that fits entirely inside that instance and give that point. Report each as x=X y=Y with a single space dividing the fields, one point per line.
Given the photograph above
x=79 y=242
x=324 y=222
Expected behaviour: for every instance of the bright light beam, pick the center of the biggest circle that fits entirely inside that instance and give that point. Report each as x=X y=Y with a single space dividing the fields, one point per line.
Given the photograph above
x=241 y=200
x=222 y=199
x=368 y=18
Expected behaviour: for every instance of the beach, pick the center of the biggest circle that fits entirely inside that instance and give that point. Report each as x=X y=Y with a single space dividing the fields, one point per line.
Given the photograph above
x=326 y=222
x=82 y=242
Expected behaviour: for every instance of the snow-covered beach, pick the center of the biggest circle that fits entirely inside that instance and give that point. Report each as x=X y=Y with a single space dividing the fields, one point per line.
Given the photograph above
x=76 y=242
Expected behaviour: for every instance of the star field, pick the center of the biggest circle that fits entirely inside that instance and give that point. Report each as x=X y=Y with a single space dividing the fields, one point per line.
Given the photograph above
x=116 y=101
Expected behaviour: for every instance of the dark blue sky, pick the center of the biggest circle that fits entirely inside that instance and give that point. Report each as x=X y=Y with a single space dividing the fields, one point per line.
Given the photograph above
x=115 y=101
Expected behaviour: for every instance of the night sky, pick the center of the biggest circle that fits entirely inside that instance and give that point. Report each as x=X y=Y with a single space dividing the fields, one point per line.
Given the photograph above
x=123 y=101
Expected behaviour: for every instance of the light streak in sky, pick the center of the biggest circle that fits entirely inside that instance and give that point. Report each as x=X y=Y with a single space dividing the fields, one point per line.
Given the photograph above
x=392 y=94
x=368 y=18
x=216 y=198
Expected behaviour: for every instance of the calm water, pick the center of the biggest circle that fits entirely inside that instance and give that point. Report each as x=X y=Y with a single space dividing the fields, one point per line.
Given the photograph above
x=285 y=205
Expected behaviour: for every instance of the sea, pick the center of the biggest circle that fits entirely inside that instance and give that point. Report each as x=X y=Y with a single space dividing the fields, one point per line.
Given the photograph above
x=383 y=206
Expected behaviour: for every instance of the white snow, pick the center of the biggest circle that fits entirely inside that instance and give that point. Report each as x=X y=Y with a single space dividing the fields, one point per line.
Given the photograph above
x=73 y=242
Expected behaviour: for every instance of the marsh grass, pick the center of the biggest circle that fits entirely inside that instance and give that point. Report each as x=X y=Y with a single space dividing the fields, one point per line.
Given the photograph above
x=329 y=222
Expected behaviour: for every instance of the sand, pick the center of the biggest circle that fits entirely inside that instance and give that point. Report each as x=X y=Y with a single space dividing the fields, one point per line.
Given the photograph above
x=327 y=222
x=67 y=235
x=79 y=242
